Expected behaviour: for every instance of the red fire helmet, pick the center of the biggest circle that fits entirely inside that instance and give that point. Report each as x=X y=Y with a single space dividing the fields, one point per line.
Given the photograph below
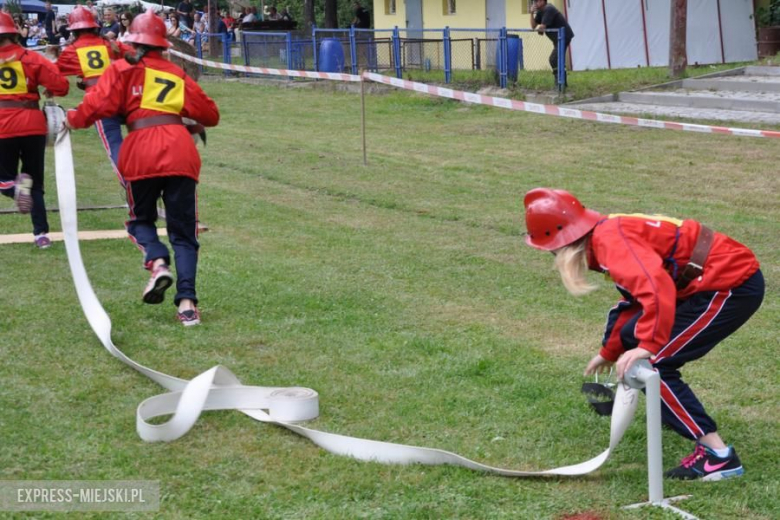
x=81 y=18
x=148 y=29
x=555 y=218
x=7 y=25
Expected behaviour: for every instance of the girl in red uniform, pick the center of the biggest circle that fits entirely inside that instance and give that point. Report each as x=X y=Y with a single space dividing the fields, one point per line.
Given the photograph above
x=158 y=158
x=23 y=126
x=684 y=289
x=88 y=57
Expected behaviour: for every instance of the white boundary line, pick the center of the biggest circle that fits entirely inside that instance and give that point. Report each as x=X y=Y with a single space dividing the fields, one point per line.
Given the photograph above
x=510 y=104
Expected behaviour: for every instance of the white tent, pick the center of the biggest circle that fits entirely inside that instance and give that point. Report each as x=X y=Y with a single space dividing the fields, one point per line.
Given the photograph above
x=102 y=4
x=613 y=34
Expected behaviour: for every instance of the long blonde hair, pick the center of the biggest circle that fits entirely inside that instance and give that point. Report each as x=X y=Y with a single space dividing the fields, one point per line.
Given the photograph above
x=571 y=261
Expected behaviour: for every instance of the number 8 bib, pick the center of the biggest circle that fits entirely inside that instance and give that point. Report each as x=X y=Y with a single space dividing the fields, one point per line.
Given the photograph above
x=163 y=92
x=93 y=60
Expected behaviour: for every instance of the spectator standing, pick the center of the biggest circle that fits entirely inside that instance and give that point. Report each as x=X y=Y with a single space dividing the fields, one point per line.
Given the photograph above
x=273 y=14
x=362 y=18
x=49 y=20
x=545 y=16
x=23 y=125
x=23 y=28
x=110 y=27
x=185 y=11
x=154 y=119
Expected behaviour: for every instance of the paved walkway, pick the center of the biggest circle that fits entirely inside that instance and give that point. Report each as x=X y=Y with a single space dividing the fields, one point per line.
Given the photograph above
x=718 y=98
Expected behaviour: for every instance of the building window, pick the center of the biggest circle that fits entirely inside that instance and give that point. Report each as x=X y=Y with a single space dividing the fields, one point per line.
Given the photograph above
x=389 y=6
x=449 y=7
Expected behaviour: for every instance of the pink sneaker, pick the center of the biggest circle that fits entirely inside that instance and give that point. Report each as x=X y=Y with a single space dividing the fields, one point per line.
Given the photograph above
x=189 y=318
x=42 y=242
x=22 y=196
x=159 y=282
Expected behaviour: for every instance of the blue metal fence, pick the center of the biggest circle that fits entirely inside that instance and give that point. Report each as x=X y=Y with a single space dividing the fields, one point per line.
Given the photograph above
x=504 y=51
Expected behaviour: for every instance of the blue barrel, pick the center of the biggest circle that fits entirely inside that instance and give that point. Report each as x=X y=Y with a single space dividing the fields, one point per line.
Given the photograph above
x=331 y=58
x=513 y=44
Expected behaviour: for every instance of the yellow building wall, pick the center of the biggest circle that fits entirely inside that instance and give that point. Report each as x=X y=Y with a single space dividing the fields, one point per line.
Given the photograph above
x=470 y=14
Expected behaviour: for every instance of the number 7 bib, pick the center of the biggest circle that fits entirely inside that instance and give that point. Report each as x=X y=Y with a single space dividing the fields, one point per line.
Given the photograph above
x=163 y=91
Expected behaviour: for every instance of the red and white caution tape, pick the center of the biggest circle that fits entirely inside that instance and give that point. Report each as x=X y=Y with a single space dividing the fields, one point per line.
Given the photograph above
x=262 y=70
x=219 y=389
x=511 y=104
x=554 y=110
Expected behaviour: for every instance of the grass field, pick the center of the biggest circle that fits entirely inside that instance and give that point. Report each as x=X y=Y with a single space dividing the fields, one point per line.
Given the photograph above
x=403 y=294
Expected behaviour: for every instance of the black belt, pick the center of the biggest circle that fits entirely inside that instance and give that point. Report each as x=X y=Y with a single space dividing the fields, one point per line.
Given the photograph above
x=19 y=104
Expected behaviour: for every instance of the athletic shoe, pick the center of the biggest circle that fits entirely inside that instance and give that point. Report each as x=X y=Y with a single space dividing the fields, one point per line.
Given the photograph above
x=42 y=241
x=22 y=196
x=159 y=282
x=704 y=464
x=189 y=318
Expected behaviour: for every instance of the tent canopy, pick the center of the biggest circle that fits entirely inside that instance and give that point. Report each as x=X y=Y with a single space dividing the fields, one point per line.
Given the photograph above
x=127 y=3
x=29 y=6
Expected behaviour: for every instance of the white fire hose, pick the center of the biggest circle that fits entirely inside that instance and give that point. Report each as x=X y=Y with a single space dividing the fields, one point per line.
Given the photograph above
x=219 y=389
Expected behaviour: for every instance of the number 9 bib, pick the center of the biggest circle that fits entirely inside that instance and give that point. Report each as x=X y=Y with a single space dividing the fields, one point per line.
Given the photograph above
x=163 y=92
x=12 y=79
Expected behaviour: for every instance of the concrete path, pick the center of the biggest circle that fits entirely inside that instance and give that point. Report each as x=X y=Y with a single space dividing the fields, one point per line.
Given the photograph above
x=746 y=95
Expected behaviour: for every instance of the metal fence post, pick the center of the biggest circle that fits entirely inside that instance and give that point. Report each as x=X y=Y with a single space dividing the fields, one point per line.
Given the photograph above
x=288 y=44
x=353 y=49
x=561 y=79
x=447 y=56
x=226 y=51
x=314 y=46
x=520 y=58
x=502 y=57
x=245 y=49
x=199 y=49
x=397 y=52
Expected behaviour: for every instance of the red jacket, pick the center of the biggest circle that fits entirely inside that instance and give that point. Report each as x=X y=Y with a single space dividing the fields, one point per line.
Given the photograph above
x=640 y=252
x=89 y=56
x=21 y=73
x=153 y=87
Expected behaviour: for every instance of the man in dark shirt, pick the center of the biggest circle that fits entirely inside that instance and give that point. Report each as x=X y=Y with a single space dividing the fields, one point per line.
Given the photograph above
x=362 y=18
x=48 y=25
x=544 y=16
x=185 y=12
x=110 y=27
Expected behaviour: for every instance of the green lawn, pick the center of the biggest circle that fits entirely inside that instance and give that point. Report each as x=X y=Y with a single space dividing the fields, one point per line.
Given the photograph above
x=402 y=292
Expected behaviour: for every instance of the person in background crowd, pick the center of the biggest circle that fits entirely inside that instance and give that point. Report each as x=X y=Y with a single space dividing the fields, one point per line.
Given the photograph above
x=63 y=32
x=684 y=288
x=230 y=22
x=88 y=57
x=154 y=95
x=110 y=27
x=92 y=9
x=48 y=24
x=199 y=23
x=23 y=125
x=251 y=16
x=125 y=19
x=362 y=19
x=184 y=11
x=173 y=29
x=23 y=28
x=286 y=16
x=273 y=14
x=545 y=16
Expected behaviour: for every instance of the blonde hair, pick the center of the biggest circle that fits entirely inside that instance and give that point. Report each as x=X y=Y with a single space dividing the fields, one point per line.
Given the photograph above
x=572 y=263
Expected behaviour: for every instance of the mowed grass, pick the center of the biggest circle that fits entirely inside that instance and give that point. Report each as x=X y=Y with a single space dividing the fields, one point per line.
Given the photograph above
x=403 y=293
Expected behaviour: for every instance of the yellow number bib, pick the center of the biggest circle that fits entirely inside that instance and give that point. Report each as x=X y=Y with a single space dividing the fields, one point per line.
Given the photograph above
x=656 y=218
x=93 y=60
x=163 y=92
x=12 y=79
